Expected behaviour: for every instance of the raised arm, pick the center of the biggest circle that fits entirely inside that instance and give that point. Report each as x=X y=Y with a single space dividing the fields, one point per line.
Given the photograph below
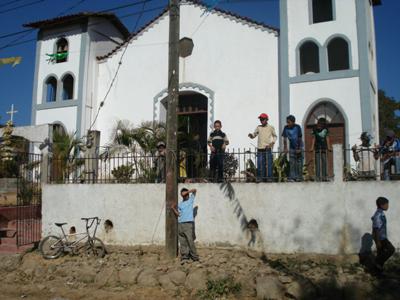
x=175 y=210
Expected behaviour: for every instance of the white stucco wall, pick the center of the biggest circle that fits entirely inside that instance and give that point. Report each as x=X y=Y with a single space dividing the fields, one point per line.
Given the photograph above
x=65 y=115
x=294 y=217
x=73 y=35
x=344 y=93
x=300 y=28
x=236 y=61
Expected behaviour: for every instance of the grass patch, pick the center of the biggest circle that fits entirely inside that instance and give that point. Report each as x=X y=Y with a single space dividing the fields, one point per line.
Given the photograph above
x=218 y=288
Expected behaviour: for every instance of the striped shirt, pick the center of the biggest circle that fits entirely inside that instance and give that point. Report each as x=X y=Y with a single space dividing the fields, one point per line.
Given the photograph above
x=217 y=139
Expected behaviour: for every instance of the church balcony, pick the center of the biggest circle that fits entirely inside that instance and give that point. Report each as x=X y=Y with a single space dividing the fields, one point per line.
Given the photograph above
x=237 y=165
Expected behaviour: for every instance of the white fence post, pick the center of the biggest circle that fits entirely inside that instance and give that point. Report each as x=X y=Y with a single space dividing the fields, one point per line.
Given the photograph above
x=338 y=163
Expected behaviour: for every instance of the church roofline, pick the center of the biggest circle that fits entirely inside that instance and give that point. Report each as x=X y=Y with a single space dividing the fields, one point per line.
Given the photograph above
x=242 y=19
x=78 y=18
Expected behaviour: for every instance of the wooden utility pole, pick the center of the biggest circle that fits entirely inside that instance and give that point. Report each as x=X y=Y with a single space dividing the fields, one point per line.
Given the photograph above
x=171 y=193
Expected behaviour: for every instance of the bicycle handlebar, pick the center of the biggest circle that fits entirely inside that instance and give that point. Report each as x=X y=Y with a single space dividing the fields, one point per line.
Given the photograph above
x=90 y=222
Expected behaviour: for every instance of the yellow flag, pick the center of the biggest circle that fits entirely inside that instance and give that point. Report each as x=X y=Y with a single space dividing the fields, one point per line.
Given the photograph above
x=11 y=60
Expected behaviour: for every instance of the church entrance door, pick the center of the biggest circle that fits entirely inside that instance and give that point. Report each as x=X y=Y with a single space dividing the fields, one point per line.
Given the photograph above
x=337 y=133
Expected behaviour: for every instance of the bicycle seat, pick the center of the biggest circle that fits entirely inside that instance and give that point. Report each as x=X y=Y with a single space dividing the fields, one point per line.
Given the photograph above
x=60 y=224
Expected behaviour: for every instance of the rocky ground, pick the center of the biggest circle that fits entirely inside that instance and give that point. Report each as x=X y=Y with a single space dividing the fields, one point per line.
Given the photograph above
x=145 y=273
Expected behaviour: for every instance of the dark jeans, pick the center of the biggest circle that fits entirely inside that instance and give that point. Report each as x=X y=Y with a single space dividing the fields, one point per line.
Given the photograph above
x=264 y=156
x=321 y=164
x=217 y=166
x=295 y=165
x=186 y=241
x=384 y=252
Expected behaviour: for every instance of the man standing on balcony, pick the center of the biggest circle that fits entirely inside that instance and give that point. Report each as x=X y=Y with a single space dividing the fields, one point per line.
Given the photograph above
x=292 y=132
x=266 y=140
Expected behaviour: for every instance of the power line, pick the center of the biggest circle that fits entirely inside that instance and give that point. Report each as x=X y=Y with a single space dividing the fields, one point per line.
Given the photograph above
x=21 y=6
x=16 y=43
x=75 y=5
x=10 y=2
x=118 y=68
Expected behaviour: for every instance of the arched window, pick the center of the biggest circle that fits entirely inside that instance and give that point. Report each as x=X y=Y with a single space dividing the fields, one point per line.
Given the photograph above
x=309 y=58
x=51 y=89
x=68 y=87
x=322 y=11
x=62 y=50
x=338 y=54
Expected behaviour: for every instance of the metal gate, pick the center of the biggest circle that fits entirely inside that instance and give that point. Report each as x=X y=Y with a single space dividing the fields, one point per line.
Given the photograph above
x=29 y=199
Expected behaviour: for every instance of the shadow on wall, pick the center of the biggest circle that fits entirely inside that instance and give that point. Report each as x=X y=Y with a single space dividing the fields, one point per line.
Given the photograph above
x=249 y=228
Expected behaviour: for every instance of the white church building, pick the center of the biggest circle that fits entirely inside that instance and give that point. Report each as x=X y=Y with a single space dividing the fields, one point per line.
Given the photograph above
x=321 y=62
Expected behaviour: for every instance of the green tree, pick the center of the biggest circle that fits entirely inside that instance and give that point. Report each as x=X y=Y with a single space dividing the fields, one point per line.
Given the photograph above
x=65 y=149
x=389 y=114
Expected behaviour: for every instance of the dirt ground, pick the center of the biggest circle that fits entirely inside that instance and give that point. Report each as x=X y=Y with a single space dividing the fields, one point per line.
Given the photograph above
x=223 y=273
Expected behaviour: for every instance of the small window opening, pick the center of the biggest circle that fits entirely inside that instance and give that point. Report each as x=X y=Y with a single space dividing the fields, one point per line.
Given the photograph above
x=322 y=11
x=68 y=87
x=252 y=225
x=108 y=226
x=72 y=230
x=51 y=89
x=338 y=55
x=309 y=58
x=62 y=50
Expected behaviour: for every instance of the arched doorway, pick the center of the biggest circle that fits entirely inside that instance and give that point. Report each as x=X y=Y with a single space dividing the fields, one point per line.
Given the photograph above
x=192 y=132
x=337 y=131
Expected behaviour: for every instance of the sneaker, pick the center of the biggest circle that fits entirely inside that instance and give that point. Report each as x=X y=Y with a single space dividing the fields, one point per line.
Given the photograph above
x=184 y=261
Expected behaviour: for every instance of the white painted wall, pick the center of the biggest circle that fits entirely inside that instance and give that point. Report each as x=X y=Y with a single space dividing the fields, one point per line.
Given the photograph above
x=238 y=62
x=73 y=35
x=299 y=27
x=345 y=92
x=65 y=115
x=326 y=218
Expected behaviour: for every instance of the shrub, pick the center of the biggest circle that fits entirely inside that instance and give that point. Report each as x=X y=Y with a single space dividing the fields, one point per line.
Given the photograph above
x=123 y=173
x=218 y=288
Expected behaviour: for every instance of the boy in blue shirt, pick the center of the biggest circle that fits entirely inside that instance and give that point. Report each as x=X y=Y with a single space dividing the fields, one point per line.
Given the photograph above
x=384 y=247
x=186 y=225
x=292 y=132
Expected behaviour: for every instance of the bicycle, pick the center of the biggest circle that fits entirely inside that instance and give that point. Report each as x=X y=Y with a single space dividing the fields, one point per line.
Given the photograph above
x=52 y=246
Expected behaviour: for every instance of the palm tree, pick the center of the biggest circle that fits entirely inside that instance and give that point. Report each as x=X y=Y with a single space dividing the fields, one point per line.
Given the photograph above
x=140 y=142
x=65 y=149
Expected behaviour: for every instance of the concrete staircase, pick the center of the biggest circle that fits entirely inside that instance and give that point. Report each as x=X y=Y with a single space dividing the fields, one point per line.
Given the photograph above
x=8 y=239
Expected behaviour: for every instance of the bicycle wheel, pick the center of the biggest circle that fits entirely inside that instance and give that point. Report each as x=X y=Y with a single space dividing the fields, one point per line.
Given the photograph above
x=51 y=247
x=95 y=247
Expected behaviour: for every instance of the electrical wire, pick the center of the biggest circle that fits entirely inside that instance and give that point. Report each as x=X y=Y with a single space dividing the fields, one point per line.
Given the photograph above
x=16 y=42
x=10 y=2
x=21 y=6
x=116 y=72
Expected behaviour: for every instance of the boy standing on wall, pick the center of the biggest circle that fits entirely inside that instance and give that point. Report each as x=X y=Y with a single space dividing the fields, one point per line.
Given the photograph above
x=292 y=132
x=217 y=142
x=321 y=145
x=384 y=247
x=185 y=216
x=266 y=140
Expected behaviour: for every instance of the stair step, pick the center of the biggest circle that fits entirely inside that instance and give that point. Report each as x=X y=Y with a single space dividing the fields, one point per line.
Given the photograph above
x=8 y=241
x=7 y=232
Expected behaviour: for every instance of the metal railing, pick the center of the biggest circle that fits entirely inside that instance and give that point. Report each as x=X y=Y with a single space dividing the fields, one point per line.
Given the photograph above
x=369 y=163
x=237 y=165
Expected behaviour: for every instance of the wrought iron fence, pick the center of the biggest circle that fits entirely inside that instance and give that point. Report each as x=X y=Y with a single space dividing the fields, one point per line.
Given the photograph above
x=370 y=163
x=235 y=165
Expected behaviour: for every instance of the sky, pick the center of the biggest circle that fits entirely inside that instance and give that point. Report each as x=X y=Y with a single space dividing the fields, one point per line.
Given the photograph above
x=16 y=82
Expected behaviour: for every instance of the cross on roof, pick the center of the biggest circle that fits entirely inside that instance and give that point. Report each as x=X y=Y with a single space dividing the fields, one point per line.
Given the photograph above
x=11 y=112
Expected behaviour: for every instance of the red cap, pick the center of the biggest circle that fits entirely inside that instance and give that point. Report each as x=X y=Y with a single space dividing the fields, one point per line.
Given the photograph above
x=263 y=116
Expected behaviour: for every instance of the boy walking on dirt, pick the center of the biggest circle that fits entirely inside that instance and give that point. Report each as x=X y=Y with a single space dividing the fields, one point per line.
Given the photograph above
x=384 y=247
x=184 y=212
